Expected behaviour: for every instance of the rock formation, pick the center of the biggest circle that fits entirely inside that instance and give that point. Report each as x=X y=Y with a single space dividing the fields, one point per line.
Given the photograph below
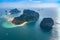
x=47 y=24
x=14 y=11
x=27 y=16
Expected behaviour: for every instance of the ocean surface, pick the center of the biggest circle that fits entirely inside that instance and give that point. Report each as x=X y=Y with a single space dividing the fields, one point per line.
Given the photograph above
x=31 y=31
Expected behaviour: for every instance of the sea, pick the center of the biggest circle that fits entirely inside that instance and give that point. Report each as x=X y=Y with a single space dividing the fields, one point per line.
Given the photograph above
x=31 y=31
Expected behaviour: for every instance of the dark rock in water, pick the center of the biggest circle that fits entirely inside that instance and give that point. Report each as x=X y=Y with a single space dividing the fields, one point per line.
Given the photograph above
x=14 y=11
x=30 y=15
x=18 y=20
x=27 y=16
x=46 y=24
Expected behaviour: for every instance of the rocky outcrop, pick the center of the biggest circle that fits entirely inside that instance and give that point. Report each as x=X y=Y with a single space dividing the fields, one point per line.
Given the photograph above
x=14 y=11
x=27 y=16
x=46 y=24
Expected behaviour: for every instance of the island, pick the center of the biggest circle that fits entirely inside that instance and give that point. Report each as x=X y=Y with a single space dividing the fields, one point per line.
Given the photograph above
x=47 y=24
x=27 y=17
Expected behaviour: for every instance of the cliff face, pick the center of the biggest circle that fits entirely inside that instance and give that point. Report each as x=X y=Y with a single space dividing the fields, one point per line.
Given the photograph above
x=27 y=16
